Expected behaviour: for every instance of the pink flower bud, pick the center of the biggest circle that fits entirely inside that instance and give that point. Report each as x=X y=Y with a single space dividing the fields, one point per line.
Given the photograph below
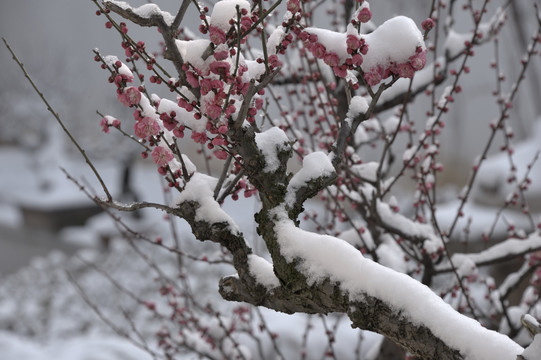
x=427 y=24
x=364 y=15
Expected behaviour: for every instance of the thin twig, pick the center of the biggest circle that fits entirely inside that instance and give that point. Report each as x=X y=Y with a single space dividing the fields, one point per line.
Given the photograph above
x=57 y=117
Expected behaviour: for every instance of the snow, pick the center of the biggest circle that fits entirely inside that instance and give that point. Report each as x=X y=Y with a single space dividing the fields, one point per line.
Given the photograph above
x=314 y=165
x=79 y=348
x=275 y=39
x=192 y=51
x=333 y=41
x=111 y=60
x=145 y=11
x=356 y=276
x=200 y=189
x=396 y=40
x=432 y=242
x=482 y=218
x=502 y=249
x=262 y=271
x=390 y=125
x=367 y=171
x=532 y=352
x=358 y=105
x=454 y=43
x=224 y=11
x=391 y=255
x=148 y=10
x=38 y=183
x=270 y=143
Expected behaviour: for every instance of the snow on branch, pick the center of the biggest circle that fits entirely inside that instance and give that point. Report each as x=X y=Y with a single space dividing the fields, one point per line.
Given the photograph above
x=506 y=250
x=343 y=279
x=200 y=190
x=144 y=15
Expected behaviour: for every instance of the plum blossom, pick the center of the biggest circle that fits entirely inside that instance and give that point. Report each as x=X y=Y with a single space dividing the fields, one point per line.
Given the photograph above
x=192 y=79
x=405 y=70
x=220 y=154
x=331 y=59
x=130 y=96
x=145 y=127
x=274 y=62
x=319 y=50
x=161 y=155
x=221 y=55
x=213 y=111
x=104 y=125
x=364 y=15
x=216 y=35
x=353 y=42
x=374 y=76
x=220 y=68
x=108 y=121
x=199 y=137
x=357 y=60
x=293 y=6
x=427 y=24
x=340 y=71
x=418 y=61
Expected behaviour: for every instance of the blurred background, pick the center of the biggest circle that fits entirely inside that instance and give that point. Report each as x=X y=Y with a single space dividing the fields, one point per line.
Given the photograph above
x=40 y=207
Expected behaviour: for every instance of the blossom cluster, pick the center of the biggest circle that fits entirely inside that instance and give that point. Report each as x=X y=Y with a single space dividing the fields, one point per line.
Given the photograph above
x=404 y=69
x=356 y=48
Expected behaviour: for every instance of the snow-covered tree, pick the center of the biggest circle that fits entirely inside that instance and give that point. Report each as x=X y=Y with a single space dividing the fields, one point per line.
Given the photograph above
x=294 y=105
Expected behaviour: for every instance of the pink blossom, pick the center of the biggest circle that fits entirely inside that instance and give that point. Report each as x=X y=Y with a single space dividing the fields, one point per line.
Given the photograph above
x=222 y=129
x=242 y=69
x=418 y=61
x=179 y=132
x=199 y=137
x=357 y=60
x=405 y=70
x=168 y=122
x=340 y=71
x=206 y=86
x=274 y=61
x=246 y=22
x=373 y=77
x=364 y=48
x=319 y=50
x=192 y=79
x=229 y=110
x=427 y=24
x=364 y=15
x=242 y=87
x=353 y=42
x=293 y=6
x=213 y=111
x=145 y=127
x=219 y=141
x=220 y=68
x=331 y=59
x=221 y=55
x=130 y=96
x=258 y=103
x=161 y=155
x=104 y=123
x=220 y=154
x=218 y=85
x=216 y=35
